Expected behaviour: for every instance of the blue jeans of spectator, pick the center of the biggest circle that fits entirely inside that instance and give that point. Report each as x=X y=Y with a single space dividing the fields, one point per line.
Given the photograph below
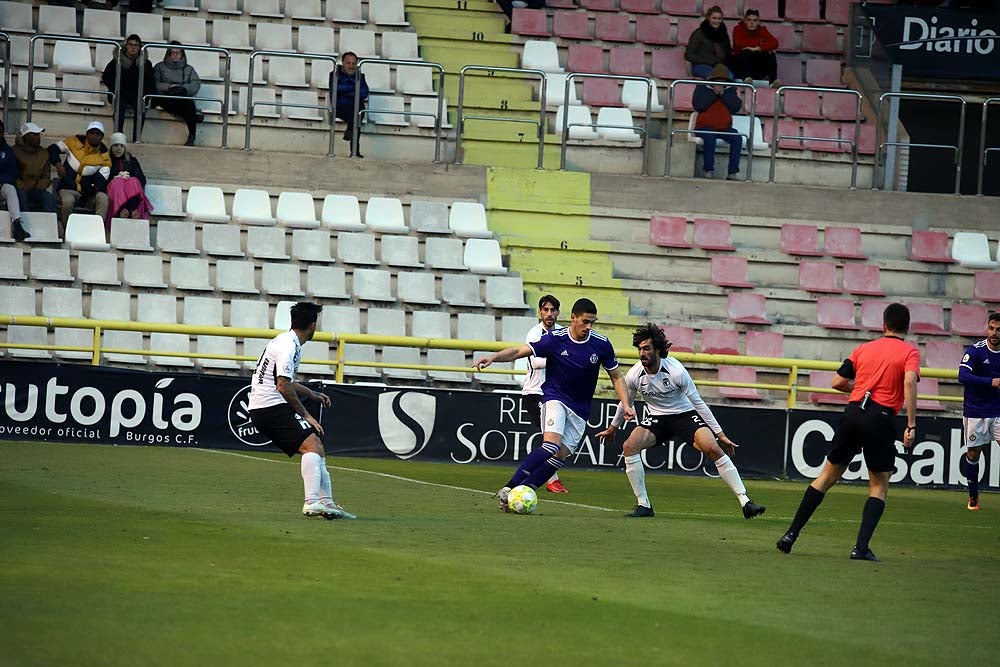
x=702 y=71
x=735 y=141
x=36 y=200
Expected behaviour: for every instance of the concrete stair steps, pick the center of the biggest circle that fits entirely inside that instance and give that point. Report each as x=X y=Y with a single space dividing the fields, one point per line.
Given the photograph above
x=452 y=6
x=454 y=55
x=509 y=154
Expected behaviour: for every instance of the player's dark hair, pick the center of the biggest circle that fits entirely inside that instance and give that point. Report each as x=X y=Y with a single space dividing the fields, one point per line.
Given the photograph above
x=994 y=317
x=304 y=313
x=584 y=306
x=654 y=334
x=548 y=298
x=896 y=318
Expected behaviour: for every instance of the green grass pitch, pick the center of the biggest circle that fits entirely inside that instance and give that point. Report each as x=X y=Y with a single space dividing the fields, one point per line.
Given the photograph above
x=159 y=556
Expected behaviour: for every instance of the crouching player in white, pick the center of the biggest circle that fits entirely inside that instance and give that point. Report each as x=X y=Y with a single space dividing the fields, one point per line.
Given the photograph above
x=276 y=411
x=981 y=411
x=676 y=412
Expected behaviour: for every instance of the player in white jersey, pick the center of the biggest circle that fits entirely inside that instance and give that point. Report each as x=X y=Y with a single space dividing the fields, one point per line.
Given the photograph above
x=531 y=387
x=276 y=410
x=675 y=411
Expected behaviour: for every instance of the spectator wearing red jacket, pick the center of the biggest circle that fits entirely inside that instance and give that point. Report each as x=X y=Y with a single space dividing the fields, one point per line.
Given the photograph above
x=753 y=50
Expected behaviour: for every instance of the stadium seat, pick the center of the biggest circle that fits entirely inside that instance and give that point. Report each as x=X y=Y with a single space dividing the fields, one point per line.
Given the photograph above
x=230 y=34
x=52 y=19
x=378 y=77
x=319 y=74
x=345 y=11
x=67 y=302
x=729 y=271
x=403 y=355
x=968 y=320
x=221 y=240
x=627 y=60
x=681 y=339
x=946 y=353
x=653 y=30
x=297 y=209
x=176 y=236
x=273 y=37
x=505 y=292
x=712 y=234
x=843 y=242
x=863 y=279
x=148 y=26
x=428 y=105
x=220 y=7
x=580 y=122
x=416 y=287
x=454 y=358
x=972 y=250
x=720 y=341
x=287 y=72
x=824 y=379
x=252 y=207
x=400 y=46
x=233 y=275
x=822 y=135
x=834 y=313
x=461 y=290
x=44 y=227
x=571 y=25
x=555 y=90
x=742 y=125
x=766 y=98
x=840 y=107
x=86 y=232
x=685 y=28
x=498 y=379
x=838 y=12
x=46 y=79
x=388 y=110
x=372 y=285
x=801 y=104
x=283 y=279
x=680 y=7
x=361 y=42
x=385 y=215
x=102 y=23
x=928 y=387
x=342 y=212
x=207 y=312
x=246 y=314
x=189 y=273
x=97 y=268
x=668 y=231
x=483 y=256
x=317 y=39
x=162 y=309
x=12 y=264
x=144 y=271
x=387 y=12
x=820 y=39
x=785 y=34
x=206 y=204
x=116 y=306
x=311 y=245
x=514 y=328
x=824 y=73
x=304 y=10
x=444 y=253
x=986 y=286
x=72 y=57
x=802 y=11
x=72 y=83
x=167 y=200
x=586 y=58
x=640 y=6
x=266 y=243
x=634 y=96
x=476 y=326
x=790 y=69
x=21 y=301
x=926 y=246
x=430 y=324
x=669 y=64
x=611 y=123
x=400 y=251
x=50 y=264
x=541 y=55
x=739 y=374
x=601 y=93
x=765 y=344
x=927 y=318
x=263 y=8
x=871 y=314
x=213 y=106
x=413 y=80
x=799 y=240
x=328 y=282
x=600 y=5
x=356 y=248
x=191 y=30
x=747 y=308
x=429 y=217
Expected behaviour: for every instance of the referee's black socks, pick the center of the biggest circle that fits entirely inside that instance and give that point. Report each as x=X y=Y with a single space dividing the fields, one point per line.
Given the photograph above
x=874 y=508
x=810 y=501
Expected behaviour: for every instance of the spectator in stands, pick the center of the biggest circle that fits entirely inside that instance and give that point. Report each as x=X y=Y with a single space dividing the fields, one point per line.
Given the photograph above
x=716 y=105
x=126 y=198
x=8 y=189
x=129 y=90
x=343 y=80
x=83 y=176
x=34 y=172
x=175 y=78
x=753 y=51
x=709 y=45
x=508 y=6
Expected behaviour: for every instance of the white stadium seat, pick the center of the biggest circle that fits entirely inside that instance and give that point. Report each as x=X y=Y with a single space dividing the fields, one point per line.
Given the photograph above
x=386 y=322
x=311 y=109
x=105 y=305
x=129 y=234
x=283 y=279
x=579 y=120
x=12 y=264
x=429 y=217
x=416 y=287
x=619 y=117
x=233 y=275
x=229 y=34
x=328 y=282
x=84 y=82
x=21 y=301
x=167 y=200
x=189 y=273
x=86 y=232
x=221 y=6
x=266 y=243
x=97 y=268
x=399 y=46
x=50 y=264
x=444 y=253
x=189 y=30
x=476 y=326
x=55 y=20
x=543 y=55
x=265 y=8
x=103 y=23
x=148 y=26
x=206 y=204
x=67 y=302
x=144 y=271
x=345 y=11
x=430 y=324
x=505 y=292
x=221 y=240
x=72 y=57
x=342 y=212
x=317 y=39
x=372 y=285
x=288 y=72
x=400 y=251
x=304 y=10
x=176 y=236
x=468 y=219
x=385 y=215
x=252 y=207
x=454 y=358
x=387 y=12
x=461 y=290
x=356 y=248
x=361 y=42
x=483 y=256
x=311 y=245
x=273 y=37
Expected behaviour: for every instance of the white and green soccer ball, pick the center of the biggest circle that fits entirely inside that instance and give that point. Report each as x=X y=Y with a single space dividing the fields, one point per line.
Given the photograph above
x=522 y=499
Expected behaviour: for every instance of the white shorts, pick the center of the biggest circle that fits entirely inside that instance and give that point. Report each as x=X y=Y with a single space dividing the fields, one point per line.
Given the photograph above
x=980 y=431
x=557 y=418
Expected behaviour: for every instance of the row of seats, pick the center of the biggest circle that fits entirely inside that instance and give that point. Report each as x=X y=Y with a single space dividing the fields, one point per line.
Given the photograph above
x=800 y=11
x=381 y=12
x=671 y=231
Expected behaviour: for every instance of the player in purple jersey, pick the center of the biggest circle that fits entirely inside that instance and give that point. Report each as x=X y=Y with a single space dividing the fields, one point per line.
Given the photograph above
x=573 y=357
x=980 y=373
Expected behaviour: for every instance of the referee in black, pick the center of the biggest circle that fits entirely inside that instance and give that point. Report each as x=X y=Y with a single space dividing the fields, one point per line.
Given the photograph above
x=881 y=377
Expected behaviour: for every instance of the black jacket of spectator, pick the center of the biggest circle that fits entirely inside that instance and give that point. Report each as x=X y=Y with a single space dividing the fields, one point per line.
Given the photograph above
x=130 y=79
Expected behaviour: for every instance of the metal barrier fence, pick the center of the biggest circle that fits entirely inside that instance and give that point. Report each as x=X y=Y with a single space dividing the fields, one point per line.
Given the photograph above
x=490 y=71
x=790 y=388
x=779 y=109
x=879 y=145
x=5 y=40
x=358 y=112
x=227 y=83
x=115 y=107
x=984 y=152
x=644 y=130
x=251 y=105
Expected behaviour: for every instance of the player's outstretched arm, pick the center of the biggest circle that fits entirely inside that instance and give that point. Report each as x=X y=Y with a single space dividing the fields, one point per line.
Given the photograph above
x=305 y=392
x=508 y=354
x=621 y=390
x=288 y=391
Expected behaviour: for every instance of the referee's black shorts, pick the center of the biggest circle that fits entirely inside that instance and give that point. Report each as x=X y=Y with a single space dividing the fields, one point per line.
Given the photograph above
x=533 y=404
x=870 y=431
x=286 y=428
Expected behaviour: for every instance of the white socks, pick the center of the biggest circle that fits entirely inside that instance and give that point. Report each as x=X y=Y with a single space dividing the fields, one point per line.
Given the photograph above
x=637 y=478
x=312 y=476
x=731 y=476
x=325 y=485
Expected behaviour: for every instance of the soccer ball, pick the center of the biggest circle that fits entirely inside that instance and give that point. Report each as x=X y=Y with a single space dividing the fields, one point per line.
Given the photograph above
x=522 y=499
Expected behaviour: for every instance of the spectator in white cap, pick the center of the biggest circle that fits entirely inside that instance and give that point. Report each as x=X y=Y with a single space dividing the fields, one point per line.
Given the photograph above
x=84 y=174
x=8 y=191
x=126 y=198
x=34 y=173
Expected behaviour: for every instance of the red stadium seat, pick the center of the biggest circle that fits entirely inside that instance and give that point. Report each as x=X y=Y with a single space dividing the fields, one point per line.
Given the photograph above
x=765 y=101
x=968 y=320
x=843 y=242
x=730 y=11
x=786 y=128
x=600 y=5
x=653 y=30
x=821 y=133
x=838 y=12
x=823 y=73
x=765 y=344
x=628 y=60
x=571 y=25
x=987 y=286
x=739 y=374
x=730 y=272
x=801 y=104
x=585 y=58
x=561 y=4
x=641 y=6
x=944 y=353
x=668 y=231
x=871 y=314
x=818 y=277
x=820 y=39
x=712 y=234
x=601 y=93
x=824 y=379
x=785 y=34
x=768 y=11
x=670 y=64
x=834 y=313
x=930 y=247
x=683 y=94
x=840 y=106
x=802 y=11
x=613 y=28
x=867 y=145
x=800 y=240
x=681 y=338
x=928 y=386
x=790 y=69
x=684 y=29
x=748 y=308
x=927 y=318
x=863 y=279
x=530 y=22
x=720 y=341
x=680 y=7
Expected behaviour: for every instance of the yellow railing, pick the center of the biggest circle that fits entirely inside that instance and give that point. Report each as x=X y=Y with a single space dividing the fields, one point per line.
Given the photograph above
x=792 y=366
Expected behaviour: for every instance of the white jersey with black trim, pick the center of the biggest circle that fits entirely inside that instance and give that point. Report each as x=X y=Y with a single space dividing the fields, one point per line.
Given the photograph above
x=281 y=357
x=535 y=377
x=671 y=391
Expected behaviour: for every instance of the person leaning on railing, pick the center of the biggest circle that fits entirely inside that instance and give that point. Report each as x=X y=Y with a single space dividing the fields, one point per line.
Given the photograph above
x=128 y=89
x=173 y=76
x=343 y=80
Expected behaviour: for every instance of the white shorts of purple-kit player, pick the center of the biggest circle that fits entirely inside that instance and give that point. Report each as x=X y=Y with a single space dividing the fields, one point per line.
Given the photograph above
x=980 y=431
x=557 y=418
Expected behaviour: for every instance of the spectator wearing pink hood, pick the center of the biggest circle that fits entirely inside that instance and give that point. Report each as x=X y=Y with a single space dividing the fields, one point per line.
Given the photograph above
x=126 y=196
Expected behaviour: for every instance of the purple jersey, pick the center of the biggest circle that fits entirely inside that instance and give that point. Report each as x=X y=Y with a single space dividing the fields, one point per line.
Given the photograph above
x=978 y=368
x=571 y=367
